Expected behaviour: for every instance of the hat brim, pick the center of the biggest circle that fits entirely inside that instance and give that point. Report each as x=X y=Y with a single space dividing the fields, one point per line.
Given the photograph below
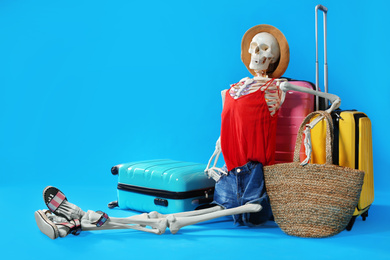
x=278 y=68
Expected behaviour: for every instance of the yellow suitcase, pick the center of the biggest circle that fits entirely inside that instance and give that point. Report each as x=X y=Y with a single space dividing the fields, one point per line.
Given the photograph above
x=352 y=147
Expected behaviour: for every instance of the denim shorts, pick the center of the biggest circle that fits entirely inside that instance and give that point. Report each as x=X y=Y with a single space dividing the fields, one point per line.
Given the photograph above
x=242 y=185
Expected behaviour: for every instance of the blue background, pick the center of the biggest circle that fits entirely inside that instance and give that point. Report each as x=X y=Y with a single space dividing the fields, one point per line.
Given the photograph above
x=86 y=85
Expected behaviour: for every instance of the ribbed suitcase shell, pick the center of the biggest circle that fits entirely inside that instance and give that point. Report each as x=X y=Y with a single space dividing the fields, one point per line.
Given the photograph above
x=296 y=106
x=352 y=148
x=165 y=186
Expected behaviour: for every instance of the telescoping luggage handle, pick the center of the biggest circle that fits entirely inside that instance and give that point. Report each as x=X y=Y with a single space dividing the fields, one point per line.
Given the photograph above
x=324 y=10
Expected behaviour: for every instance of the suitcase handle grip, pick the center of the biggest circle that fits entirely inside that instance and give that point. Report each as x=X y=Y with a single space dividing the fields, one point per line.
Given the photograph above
x=322 y=8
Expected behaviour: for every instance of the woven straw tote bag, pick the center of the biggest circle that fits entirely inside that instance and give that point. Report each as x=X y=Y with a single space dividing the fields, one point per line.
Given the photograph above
x=315 y=200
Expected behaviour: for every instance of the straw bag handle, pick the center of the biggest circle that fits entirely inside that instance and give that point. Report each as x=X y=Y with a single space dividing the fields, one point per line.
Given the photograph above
x=329 y=135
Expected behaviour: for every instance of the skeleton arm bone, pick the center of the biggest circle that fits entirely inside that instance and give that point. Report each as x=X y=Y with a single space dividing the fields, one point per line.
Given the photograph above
x=214 y=171
x=334 y=100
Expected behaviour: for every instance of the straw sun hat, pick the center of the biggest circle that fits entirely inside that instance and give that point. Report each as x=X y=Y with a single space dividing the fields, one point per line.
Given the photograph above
x=277 y=69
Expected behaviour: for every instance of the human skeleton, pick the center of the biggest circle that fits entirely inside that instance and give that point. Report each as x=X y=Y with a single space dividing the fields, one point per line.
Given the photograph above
x=264 y=51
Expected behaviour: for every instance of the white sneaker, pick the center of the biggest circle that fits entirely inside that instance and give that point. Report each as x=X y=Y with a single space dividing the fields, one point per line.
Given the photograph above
x=55 y=226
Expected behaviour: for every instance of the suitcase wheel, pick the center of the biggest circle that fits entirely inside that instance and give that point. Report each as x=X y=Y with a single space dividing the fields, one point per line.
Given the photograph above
x=365 y=215
x=115 y=170
x=113 y=204
x=350 y=224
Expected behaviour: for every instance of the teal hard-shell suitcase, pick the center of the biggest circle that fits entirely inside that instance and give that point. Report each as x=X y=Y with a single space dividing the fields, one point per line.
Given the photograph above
x=166 y=186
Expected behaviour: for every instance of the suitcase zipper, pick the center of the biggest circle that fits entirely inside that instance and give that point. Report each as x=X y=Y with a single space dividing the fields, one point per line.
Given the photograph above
x=336 y=133
x=167 y=194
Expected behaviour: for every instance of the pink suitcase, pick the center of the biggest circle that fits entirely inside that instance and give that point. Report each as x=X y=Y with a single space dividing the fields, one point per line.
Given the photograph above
x=295 y=108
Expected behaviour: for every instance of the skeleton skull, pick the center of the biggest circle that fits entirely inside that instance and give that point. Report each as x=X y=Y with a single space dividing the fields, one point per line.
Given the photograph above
x=264 y=50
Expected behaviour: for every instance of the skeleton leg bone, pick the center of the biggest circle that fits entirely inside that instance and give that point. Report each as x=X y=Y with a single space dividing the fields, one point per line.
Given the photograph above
x=91 y=217
x=159 y=225
x=86 y=226
x=157 y=221
x=175 y=222
x=155 y=214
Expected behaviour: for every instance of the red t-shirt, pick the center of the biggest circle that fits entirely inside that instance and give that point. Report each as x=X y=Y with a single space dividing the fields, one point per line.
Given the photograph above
x=248 y=131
